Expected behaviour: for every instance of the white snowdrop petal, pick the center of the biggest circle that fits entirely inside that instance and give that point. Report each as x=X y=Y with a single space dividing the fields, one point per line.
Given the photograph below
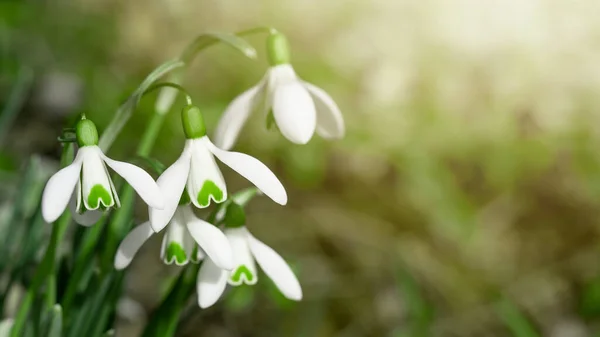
x=234 y=118
x=253 y=170
x=245 y=267
x=213 y=242
x=211 y=283
x=96 y=187
x=131 y=244
x=294 y=112
x=330 y=122
x=59 y=189
x=174 y=250
x=139 y=179
x=276 y=269
x=205 y=182
x=171 y=184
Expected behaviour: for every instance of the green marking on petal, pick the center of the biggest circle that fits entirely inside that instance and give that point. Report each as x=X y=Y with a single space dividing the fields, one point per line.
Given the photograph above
x=242 y=270
x=99 y=193
x=176 y=253
x=209 y=189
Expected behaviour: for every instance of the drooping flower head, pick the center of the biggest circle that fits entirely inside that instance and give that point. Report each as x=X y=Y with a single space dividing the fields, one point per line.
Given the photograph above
x=297 y=107
x=247 y=252
x=197 y=176
x=87 y=183
x=187 y=238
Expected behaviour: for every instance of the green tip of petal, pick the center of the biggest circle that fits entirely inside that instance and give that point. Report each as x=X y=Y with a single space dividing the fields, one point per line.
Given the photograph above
x=86 y=133
x=234 y=216
x=99 y=197
x=278 y=49
x=175 y=253
x=193 y=122
x=242 y=273
x=209 y=189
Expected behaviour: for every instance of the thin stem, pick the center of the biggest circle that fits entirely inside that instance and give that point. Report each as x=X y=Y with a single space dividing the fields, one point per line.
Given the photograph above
x=181 y=89
x=257 y=30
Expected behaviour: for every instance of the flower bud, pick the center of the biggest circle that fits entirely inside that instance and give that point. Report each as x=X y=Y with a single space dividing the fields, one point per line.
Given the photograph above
x=278 y=49
x=86 y=133
x=193 y=122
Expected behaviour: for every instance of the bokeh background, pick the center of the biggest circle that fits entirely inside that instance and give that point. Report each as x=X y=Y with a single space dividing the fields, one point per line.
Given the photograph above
x=462 y=202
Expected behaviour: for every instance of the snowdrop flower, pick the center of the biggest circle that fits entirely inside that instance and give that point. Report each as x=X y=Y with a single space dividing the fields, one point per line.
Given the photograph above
x=196 y=173
x=247 y=251
x=298 y=107
x=88 y=185
x=187 y=238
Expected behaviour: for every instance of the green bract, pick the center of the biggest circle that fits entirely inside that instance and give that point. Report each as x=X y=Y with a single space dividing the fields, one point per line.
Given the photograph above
x=278 y=49
x=193 y=122
x=86 y=133
x=234 y=216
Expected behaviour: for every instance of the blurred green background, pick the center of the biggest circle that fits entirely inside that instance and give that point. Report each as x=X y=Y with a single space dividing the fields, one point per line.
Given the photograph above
x=462 y=202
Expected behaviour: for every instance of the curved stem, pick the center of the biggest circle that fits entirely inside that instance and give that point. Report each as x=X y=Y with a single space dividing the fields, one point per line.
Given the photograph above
x=181 y=89
x=257 y=30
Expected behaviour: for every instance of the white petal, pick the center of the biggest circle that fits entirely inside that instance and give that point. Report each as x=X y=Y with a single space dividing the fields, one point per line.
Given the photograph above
x=205 y=181
x=59 y=189
x=139 y=179
x=171 y=184
x=243 y=260
x=87 y=218
x=211 y=283
x=253 y=170
x=294 y=112
x=212 y=241
x=276 y=268
x=234 y=118
x=177 y=247
x=330 y=123
x=94 y=174
x=131 y=244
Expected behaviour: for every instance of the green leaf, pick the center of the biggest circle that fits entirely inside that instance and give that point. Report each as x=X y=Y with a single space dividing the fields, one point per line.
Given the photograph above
x=55 y=329
x=420 y=312
x=156 y=165
x=515 y=320
x=164 y=320
x=208 y=39
x=15 y=101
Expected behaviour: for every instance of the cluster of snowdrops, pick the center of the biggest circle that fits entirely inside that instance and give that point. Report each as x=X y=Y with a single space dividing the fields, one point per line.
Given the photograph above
x=228 y=251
